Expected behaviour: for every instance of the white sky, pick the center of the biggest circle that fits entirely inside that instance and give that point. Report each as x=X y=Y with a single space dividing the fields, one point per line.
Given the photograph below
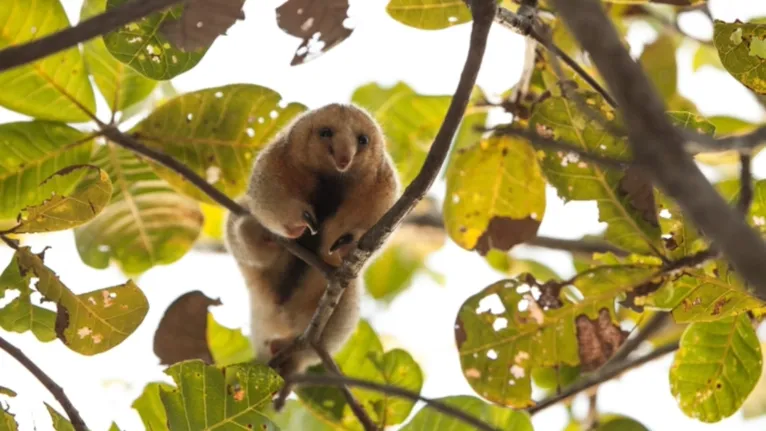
x=419 y=320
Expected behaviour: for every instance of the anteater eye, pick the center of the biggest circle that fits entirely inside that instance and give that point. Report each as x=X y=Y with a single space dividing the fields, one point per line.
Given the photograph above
x=363 y=140
x=325 y=132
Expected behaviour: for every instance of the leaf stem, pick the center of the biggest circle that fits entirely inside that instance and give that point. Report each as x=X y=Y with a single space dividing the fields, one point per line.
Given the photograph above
x=53 y=387
x=325 y=380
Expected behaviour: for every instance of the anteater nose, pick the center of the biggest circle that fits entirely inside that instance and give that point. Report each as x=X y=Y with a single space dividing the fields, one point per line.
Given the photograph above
x=343 y=162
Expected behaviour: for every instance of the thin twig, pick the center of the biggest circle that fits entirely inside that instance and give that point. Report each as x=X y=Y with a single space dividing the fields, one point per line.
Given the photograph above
x=577 y=245
x=658 y=146
x=110 y=20
x=483 y=12
x=698 y=143
x=547 y=143
x=746 y=184
x=132 y=144
x=53 y=387
x=604 y=375
x=327 y=380
x=357 y=408
x=12 y=243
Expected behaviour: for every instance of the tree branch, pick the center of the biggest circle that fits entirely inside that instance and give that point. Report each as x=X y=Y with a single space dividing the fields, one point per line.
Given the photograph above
x=325 y=380
x=658 y=147
x=483 y=12
x=604 y=375
x=132 y=144
x=698 y=143
x=53 y=388
x=112 y=19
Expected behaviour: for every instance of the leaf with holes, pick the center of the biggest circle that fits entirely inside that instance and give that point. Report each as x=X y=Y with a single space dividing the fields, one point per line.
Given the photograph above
x=710 y=293
x=410 y=121
x=61 y=211
x=54 y=88
x=33 y=151
x=92 y=322
x=145 y=49
x=149 y=406
x=517 y=325
x=121 y=86
x=625 y=200
x=20 y=315
x=717 y=365
x=201 y=22
x=216 y=132
x=362 y=357
x=659 y=62
x=318 y=23
x=495 y=195
x=742 y=49
x=429 y=14
x=426 y=419
x=146 y=222
x=230 y=398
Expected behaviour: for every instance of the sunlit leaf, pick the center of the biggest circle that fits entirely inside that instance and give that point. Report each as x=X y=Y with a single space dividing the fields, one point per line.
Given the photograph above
x=20 y=315
x=120 y=85
x=146 y=222
x=659 y=61
x=144 y=48
x=741 y=49
x=208 y=397
x=495 y=195
x=32 y=151
x=716 y=368
x=504 y=330
x=428 y=419
x=362 y=357
x=92 y=322
x=554 y=378
x=54 y=88
x=410 y=121
x=429 y=14
x=706 y=55
x=213 y=226
x=8 y=421
x=217 y=132
x=625 y=200
x=60 y=423
x=755 y=404
x=61 y=211
x=149 y=406
x=619 y=423
x=228 y=346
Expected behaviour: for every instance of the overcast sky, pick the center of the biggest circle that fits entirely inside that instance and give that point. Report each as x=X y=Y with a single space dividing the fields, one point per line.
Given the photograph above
x=419 y=320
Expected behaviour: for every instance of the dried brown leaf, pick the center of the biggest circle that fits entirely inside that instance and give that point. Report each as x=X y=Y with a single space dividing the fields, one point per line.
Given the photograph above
x=182 y=332
x=598 y=340
x=318 y=23
x=201 y=22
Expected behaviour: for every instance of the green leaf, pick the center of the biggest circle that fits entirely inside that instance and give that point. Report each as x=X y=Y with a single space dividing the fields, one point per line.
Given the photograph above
x=213 y=398
x=8 y=421
x=755 y=404
x=216 y=132
x=294 y=416
x=149 y=406
x=228 y=346
x=429 y=14
x=692 y=122
x=551 y=379
x=659 y=61
x=622 y=196
x=146 y=223
x=120 y=85
x=20 y=315
x=495 y=195
x=739 y=47
x=92 y=322
x=428 y=419
x=62 y=211
x=60 y=423
x=756 y=217
x=392 y=271
x=410 y=120
x=32 y=151
x=680 y=237
x=619 y=423
x=362 y=357
x=706 y=55
x=54 y=88
x=142 y=46
x=7 y=392
x=505 y=330
x=716 y=367
x=726 y=126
